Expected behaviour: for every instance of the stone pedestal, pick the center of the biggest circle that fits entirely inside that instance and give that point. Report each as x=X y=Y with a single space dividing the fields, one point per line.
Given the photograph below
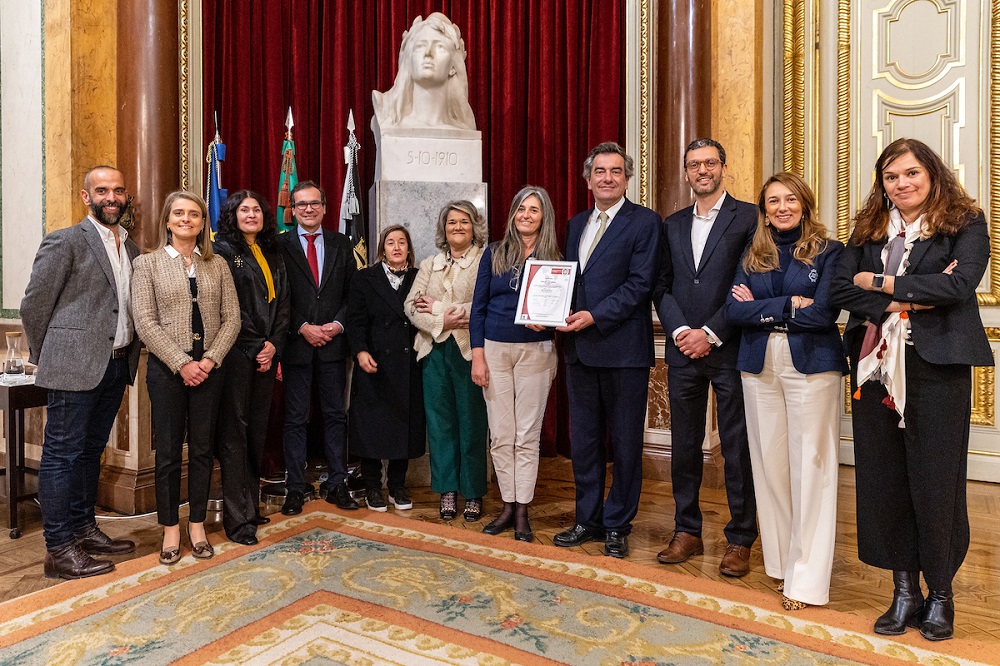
x=443 y=155
x=415 y=205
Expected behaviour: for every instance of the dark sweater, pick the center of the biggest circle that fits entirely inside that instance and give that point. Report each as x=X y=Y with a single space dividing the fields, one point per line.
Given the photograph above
x=494 y=305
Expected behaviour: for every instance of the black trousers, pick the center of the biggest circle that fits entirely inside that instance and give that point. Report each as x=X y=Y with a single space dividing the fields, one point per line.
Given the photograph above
x=331 y=378
x=176 y=409
x=687 y=387
x=912 y=513
x=395 y=475
x=244 y=413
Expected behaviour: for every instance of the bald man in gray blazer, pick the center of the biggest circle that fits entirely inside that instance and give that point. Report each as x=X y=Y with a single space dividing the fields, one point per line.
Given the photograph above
x=76 y=316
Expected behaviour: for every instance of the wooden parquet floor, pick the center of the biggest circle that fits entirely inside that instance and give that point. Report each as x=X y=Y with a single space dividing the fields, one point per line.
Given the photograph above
x=856 y=588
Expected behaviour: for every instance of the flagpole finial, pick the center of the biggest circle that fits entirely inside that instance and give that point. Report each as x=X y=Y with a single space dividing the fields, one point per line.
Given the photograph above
x=288 y=120
x=350 y=120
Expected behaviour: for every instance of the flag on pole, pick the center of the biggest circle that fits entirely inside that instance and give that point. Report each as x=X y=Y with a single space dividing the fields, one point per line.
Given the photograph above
x=351 y=221
x=288 y=178
x=215 y=194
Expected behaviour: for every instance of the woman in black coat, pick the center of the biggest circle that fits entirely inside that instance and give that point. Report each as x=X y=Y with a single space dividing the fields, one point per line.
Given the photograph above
x=387 y=397
x=246 y=239
x=908 y=277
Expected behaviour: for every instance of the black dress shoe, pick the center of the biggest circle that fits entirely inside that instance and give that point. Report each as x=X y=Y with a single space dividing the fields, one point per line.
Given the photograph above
x=95 y=542
x=341 y=496
x=293 y=503
x=576 y=536
x=616 y=544
x=938 y=620
x=261 y=520
x=70 y=562
x=907 y=604
x=502 y=522
x=246 y=541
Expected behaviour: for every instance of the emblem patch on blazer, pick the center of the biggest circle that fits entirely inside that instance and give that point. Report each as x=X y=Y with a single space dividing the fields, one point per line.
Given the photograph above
x=813 y=275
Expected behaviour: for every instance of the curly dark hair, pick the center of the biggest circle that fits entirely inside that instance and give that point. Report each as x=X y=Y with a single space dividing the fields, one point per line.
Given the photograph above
x=230 y=232
x=947 y=210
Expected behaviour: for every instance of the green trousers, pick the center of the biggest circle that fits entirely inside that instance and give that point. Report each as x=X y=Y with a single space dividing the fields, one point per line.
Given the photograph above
x=456 y=422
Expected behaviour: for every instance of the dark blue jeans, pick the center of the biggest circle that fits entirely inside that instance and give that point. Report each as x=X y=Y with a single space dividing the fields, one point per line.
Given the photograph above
x=77 y=429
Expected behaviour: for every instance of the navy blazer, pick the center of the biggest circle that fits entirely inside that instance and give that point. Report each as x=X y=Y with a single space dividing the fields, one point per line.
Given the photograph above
x=686 y=295
x=813 y=338
x=949 y=333
x=615 y=288
x=317 y=304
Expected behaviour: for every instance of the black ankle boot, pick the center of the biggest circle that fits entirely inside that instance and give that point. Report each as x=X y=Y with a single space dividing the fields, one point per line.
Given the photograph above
x=502 y=522
x=938 y=623
x=907 y=603
x=522 y=526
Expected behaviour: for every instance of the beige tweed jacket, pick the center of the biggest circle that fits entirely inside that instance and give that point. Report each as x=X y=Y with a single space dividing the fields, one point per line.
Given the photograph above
x=161 y=306
x=431 y=281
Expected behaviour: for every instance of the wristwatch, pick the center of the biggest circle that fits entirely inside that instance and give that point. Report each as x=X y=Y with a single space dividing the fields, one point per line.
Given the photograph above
x=877 y=281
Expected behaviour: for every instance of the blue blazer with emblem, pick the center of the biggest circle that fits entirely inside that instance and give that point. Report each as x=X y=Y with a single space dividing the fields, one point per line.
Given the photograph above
x=813 y=338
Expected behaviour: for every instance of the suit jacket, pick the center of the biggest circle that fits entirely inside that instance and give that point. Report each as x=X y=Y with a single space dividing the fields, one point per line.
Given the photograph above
x=317 y=304
x=813 y=338
x=70 y=310
x=261 y=321
x=161 y=295
x=615 y=288
x=695 y=296
x=951 y=332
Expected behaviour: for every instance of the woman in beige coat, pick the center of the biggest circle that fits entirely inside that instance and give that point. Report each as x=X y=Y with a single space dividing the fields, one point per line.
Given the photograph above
x=187 y=313
x=438 y=305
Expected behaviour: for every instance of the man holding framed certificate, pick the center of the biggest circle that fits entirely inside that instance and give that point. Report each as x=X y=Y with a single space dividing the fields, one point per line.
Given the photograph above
x=608 y=348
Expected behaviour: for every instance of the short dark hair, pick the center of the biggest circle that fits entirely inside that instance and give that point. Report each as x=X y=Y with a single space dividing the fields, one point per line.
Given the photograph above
x=705 y=143
x=228 y=229
x=99 y=167
x=608 y=148
x=306 y=184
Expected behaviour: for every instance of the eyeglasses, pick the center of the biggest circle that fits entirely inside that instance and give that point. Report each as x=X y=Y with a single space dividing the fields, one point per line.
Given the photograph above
x=515 y=281
x=303 y=205
x=695 y=165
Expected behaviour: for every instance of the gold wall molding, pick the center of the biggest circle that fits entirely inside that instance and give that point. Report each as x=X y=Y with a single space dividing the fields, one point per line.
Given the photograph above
x=793 y=86
x=639 y=23
x=953 y=13
x=645 y=85
x=844 y=120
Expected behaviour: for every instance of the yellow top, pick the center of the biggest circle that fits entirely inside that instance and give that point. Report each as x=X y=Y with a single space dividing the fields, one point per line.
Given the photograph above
x=262 y=262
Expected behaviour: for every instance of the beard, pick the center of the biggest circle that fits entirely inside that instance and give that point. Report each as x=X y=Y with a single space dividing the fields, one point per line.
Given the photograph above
x=711 y=187
x=97 y=211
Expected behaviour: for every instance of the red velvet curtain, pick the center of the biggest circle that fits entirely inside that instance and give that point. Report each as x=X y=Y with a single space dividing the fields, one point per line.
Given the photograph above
x=545 y=83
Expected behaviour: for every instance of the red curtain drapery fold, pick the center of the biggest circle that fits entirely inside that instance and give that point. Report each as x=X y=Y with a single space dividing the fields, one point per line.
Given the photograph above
x=545 y=84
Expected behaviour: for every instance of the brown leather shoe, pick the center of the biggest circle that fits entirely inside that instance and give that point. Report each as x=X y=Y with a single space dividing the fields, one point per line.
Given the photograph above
x=736 y=561
x=95 y=542
x=682 y=546
x=70 y=562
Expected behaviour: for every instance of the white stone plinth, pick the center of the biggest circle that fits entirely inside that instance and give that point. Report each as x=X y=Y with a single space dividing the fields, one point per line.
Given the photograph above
x=416 y=205
x=429 y=155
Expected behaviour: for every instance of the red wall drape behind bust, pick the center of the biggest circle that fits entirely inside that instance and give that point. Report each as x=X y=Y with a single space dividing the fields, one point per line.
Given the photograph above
x=545 y=83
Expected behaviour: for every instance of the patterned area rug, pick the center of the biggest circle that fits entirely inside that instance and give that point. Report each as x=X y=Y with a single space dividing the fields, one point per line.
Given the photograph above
x=330 y=587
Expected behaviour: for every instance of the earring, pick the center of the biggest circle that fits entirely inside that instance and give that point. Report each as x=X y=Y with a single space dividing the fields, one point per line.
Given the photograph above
x=889 y=205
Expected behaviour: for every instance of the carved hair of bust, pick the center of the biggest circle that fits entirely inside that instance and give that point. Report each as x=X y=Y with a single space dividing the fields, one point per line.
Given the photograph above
x=431 y=87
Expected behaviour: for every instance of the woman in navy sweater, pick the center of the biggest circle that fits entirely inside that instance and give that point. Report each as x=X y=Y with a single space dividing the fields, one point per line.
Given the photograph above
x=791 y=360
x=514 y=364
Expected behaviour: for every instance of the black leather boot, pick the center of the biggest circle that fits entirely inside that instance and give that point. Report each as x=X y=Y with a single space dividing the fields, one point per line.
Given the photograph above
x=907 y=603
x=938 y=620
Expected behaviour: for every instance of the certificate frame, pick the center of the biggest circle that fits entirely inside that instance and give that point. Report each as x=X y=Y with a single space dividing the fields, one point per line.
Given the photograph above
x=546 y=292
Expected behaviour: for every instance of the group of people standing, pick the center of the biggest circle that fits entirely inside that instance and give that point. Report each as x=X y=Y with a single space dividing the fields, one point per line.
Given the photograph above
x=748 y=297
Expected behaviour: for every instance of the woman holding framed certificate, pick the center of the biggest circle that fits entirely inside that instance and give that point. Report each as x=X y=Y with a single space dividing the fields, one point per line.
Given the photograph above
x=515 y=364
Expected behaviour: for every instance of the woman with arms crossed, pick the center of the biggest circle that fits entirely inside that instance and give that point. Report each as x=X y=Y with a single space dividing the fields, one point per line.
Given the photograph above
x=791 y=361
x=514 y=364
x=908 y=277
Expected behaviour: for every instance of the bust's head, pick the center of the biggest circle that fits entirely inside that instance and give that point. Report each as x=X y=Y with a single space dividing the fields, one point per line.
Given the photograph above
x=431 y=57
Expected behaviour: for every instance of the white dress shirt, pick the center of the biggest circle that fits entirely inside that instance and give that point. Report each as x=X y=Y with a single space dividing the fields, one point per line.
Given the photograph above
x=701 y=227
x=587 y=237
x=173 y=253
x=320 y=247
x=121 y=267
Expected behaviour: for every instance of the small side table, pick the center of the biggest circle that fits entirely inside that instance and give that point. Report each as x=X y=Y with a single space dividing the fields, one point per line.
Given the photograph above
x=14 y=400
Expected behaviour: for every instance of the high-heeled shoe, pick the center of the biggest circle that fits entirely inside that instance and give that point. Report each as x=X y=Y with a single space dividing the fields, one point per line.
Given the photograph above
x=938 y=619
x=170 y=556
x=907 y=604
x=203 y=549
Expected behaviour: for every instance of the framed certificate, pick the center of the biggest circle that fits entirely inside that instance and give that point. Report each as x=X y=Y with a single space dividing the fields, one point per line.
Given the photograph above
x=546 y=292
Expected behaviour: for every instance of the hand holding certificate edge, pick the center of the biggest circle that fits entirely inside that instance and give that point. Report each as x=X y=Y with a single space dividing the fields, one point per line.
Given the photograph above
x=577 y=321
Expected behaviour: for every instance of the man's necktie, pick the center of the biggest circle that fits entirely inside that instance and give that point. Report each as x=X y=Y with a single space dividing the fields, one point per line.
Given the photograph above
x=312 y=257
x=603 y=220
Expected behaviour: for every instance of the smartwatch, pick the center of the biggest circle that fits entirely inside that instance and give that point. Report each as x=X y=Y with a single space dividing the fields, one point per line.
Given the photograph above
x=877 y=281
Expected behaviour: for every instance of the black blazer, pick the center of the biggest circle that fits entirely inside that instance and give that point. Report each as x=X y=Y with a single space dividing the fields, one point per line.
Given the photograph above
x=260 y=321
x=950 y=333
x=615 y=288
x=686 y=295
x=314 y=304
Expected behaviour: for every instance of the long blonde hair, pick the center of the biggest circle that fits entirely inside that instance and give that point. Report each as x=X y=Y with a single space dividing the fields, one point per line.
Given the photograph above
x=763 y=253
